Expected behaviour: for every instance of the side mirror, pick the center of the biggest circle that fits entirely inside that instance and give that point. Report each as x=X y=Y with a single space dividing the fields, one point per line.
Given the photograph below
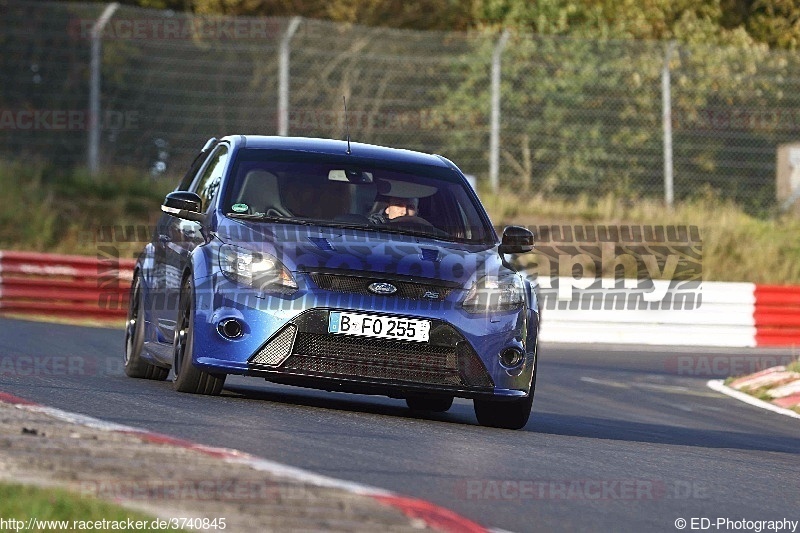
x=516 y=240
x=184 y=204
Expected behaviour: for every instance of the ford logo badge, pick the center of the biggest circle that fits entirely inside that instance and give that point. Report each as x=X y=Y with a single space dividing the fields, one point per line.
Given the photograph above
x=382 y=288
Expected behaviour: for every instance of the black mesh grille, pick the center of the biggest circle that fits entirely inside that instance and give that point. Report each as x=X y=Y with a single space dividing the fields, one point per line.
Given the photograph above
x=358 y=357
x=358 y=285
x=305 y=348
x=380 y=351
x=312 y=365
x=276 y=349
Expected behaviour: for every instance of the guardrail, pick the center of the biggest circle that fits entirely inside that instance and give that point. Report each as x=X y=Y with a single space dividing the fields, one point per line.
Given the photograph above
x=776 y=315
x=64 y=285
x=731 y=314
x=724 y=317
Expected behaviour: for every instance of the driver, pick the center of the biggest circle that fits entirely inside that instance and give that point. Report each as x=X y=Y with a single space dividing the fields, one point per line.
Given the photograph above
x=398 y=207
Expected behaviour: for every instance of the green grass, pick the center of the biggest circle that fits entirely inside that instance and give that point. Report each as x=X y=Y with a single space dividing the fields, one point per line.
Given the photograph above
x=736 y=246
x=23 y=502
x=59 y=212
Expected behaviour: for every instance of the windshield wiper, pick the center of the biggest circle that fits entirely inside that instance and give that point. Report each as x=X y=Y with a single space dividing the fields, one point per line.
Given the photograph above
x=263 y=217
x=254 y=216
x=413 y=233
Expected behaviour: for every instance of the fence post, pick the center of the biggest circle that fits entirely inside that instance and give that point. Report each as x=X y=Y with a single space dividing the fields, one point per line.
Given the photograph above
x=494 y=134
x=666 y=118
x=283 y=77
x=94 y=89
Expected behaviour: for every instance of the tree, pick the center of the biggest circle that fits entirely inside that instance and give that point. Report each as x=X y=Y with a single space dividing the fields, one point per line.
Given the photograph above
x=582 y=107
x=420 y=15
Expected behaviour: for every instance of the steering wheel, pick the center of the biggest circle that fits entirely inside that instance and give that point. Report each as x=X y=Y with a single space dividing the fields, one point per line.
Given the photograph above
x=409 y=220
x=418 y=223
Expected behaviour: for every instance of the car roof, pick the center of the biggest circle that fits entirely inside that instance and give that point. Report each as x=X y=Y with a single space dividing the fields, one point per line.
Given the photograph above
x=337 y=147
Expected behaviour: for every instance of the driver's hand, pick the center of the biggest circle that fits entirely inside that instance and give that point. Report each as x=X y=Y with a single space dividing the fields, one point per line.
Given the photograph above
x=378 y=219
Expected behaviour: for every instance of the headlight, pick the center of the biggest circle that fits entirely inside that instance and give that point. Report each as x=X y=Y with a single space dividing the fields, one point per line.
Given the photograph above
x=261 y=271
x=495 y=294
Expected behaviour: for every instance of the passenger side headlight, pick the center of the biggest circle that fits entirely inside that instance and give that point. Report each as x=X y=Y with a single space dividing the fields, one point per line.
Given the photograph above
x=258 y=270
x=491 y=294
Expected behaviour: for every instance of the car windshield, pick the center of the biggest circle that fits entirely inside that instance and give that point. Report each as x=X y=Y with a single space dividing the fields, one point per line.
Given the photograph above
x=354 y=192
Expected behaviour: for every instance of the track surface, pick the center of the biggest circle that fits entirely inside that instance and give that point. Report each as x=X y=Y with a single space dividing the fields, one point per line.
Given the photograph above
x=621 y=439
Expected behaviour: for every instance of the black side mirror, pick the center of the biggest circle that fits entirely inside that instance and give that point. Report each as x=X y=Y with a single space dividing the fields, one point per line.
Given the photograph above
x=184 y=204
x=516 y=240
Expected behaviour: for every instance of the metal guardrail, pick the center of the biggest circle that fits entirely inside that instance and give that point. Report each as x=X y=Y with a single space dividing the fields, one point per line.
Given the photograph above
x=731 y=314
x=64 y=285
x=777 y=315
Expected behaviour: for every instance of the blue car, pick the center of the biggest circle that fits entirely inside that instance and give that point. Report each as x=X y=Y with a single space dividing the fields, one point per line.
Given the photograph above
x=337 y=266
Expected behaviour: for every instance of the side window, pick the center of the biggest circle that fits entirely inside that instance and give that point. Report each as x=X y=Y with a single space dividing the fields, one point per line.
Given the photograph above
x=195 y=167
x=452 y=212
x=207 y=186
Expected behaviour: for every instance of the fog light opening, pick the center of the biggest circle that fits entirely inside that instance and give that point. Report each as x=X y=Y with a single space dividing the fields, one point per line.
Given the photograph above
x=230 y=328
x=511 y=357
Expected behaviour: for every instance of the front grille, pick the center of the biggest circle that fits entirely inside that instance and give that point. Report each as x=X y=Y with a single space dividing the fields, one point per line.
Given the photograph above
x=305 y=348
x=358 y=285
x=375 y=351
x=358 y=357
x=275 y=350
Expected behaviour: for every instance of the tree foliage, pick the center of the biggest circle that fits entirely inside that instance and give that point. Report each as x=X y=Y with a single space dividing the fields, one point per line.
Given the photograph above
x=772 y=22
x=581 y=98
x=580 y=95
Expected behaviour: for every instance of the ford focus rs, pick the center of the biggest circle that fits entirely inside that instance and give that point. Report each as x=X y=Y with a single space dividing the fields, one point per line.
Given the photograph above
x=338 y=266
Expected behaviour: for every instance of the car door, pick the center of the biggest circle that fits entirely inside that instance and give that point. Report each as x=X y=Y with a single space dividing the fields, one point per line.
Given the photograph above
x=180 y=237
x=154 y=267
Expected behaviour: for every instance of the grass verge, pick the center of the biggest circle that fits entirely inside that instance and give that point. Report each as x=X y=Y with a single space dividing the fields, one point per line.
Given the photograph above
x=57 y=509
x=736 y=246
x=55 y=211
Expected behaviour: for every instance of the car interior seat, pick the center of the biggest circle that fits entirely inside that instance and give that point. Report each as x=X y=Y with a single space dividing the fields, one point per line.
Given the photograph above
x=261 y=192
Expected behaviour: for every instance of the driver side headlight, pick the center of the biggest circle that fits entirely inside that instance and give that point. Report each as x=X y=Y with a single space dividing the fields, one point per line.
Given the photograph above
x=490 y=294
x=261 y=271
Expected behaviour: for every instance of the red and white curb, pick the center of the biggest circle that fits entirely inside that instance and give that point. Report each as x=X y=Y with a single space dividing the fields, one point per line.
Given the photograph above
x=432 y=515
x=719 y=386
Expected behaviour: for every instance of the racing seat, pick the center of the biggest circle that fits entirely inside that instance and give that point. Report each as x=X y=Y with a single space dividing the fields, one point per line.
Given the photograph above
x=260 y=191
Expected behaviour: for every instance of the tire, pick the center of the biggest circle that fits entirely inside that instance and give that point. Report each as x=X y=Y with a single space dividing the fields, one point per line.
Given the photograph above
x=437 y=404
x=189 y=378
x=506 y=414
x=135 y=366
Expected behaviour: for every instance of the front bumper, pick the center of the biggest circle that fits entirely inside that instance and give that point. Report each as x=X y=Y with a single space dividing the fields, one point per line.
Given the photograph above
x=286 y=340
x=305 y=348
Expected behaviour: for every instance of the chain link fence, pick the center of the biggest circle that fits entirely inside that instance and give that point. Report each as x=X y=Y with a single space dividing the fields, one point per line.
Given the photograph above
x=575 y=116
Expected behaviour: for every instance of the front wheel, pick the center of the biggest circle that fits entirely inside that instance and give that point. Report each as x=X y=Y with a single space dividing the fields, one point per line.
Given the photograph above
x=188 y=378
x=506 y=414
x=135 y=365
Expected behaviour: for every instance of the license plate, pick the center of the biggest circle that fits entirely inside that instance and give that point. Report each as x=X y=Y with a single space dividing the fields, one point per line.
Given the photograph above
x=381 y=327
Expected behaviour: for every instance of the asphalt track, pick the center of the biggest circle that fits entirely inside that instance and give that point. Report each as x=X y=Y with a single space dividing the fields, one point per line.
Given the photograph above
x=621 y=439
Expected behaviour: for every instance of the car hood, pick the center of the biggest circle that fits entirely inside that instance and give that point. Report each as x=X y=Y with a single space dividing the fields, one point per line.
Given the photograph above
x=304 y=248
